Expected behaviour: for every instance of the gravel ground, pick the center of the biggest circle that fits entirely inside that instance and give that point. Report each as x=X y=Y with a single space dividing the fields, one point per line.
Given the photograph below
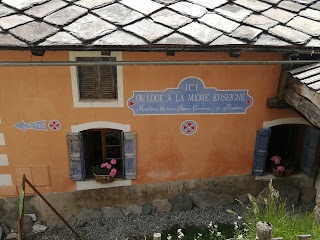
x=124 y=228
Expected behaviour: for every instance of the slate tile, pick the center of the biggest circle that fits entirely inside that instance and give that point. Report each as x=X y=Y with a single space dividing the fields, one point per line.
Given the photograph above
x=310 y=13
x=210 y=4
x=144 y=6
x=200 y=32
x=291 y=6
x=118 y=14
x=4 y=11
x=176 y=38
x=289 y=34
x=43 y=10
x=65 y=15
x=268 y=40
x=279 y=15
x=260 y=21
x=89 y=27
x=305 y=25
x=170 y=18
x=272 y=1
x=313 y=43
x=226 y=40
x=189 y=9
x=148 y=29
x=245 y=32
x=119 y=38
x=221 y=23
x=305 y=1
x=93 y=4
x=61 y=39
x=168 y=1
x=254 y=5
x=316 y=6
x=22 y=4
x=8 y=40
x=234 y=12
x=14 y=20
x=33 y=31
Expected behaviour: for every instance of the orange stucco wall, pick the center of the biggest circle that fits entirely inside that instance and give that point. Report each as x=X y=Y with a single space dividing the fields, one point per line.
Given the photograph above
x=222 y=145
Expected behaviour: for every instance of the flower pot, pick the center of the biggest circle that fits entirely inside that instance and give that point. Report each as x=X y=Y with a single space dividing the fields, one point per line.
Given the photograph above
x=288 y=172
x=103 y=178
x=278 y=173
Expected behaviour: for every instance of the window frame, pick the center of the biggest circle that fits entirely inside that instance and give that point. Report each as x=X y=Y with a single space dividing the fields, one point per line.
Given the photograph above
x=84 y=103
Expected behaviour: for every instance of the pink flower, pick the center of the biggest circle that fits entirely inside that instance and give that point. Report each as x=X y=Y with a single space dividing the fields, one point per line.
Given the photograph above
x=280 y=168
x=108 y=166
x=113 y=172
x=113 y=161
x=276 y=159
x=104 y=165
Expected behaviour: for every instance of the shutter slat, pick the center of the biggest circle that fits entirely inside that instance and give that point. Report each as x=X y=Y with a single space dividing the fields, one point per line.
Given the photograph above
x=129 y=148
x=76 y=157
x=309 y=149
x=261 y=151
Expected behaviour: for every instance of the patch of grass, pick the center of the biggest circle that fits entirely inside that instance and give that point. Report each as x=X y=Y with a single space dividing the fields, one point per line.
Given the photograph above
x=286 y=223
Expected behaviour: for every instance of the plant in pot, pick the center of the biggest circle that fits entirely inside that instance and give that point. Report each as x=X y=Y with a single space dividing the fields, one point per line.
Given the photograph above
x=281 y=167
x=105 y=172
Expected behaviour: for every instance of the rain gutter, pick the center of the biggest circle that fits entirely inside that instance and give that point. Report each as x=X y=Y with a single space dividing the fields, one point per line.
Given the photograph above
x=158 y=63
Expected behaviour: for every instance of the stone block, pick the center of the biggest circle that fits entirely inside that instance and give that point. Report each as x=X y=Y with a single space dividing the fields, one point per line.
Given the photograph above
x=203 y=198
x=89 y=214
x=112 y=212
x=147 y=209
x=181 y=203
x=27 y=224
x=307 y=195
x=135 y=209
x=162 y=205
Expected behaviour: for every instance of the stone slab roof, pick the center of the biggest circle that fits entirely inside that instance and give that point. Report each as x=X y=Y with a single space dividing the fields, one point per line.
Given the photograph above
x=308 y=75
x=140 y=24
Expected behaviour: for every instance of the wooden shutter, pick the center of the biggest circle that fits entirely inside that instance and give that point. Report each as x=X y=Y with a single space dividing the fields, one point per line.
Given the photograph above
x=309 y=149
x=260 y=151
x=129 y=148
x=97 y=82
x=76 y=156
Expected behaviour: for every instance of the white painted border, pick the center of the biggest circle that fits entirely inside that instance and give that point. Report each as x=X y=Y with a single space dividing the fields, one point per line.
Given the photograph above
x=75 y=86
x=4 y=160
x=2 y=142
x=92 y=184
x=100 y=124
x=5 y=180
x=281 y=121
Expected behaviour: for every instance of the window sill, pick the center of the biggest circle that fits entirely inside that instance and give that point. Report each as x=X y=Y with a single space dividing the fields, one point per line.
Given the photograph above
x=92 y=184
x=268 y=176
x=98 y=103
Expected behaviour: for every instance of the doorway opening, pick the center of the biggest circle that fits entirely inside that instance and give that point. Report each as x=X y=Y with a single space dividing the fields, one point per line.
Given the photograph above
x=100 y=146
x=287 y=141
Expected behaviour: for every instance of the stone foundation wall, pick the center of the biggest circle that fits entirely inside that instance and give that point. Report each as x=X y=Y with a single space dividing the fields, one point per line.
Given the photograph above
x=159 y=197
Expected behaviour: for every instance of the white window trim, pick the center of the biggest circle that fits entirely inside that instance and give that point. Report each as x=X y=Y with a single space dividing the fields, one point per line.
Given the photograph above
x=92 y=184
x=77 y=103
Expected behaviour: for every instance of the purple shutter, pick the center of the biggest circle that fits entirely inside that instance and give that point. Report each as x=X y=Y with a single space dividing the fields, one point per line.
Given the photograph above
x=76 y=156
x=309 y=150
x=129 y=147
x=260 y=151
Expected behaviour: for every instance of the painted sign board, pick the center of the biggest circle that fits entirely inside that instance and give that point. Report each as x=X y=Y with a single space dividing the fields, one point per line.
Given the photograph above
x=38 y=125
x=191 y=97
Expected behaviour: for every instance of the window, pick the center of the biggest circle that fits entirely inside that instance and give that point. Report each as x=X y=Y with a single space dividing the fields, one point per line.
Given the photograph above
x=101 y=146
x=308 y=150
x=92 y=147
x=97 y=82
x=96 y=86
